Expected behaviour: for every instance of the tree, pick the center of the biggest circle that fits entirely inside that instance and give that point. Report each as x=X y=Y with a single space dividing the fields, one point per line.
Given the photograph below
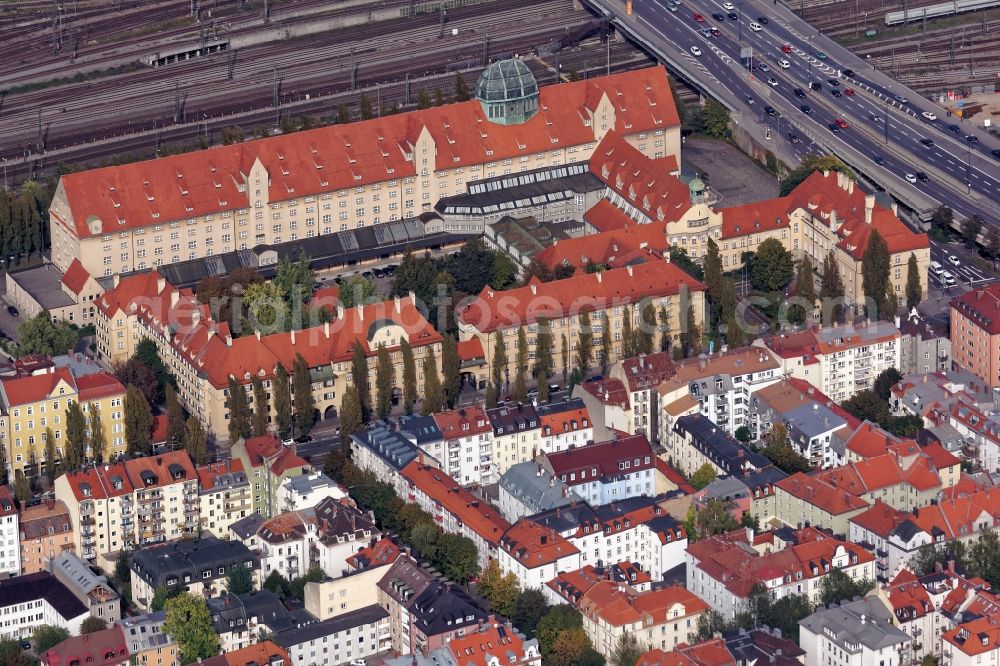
x=500 y=589
x=459 y=557
x=359 y=377
x=605 y=342
x=805 y=290
x=867 y=405
x=531 y=606
x=190 y=625
x=628 y=335
x=461 y=88
x=46 y=637
x=305 y=405
x=50 y=455
x=261 y=408
x=98 y=440
x=385 y=381
x=11 y=654
x=781 y=453
x=351 y=420
x=743 y=434
x=135 y=373
x=914 y=292
x=343 y=114
x=773 y=266
x=424 y=537
x=572 y=648
x=832 y=289
x=644 y=336
x=715 y=518
x=991 y=242
x=971 y=228
x=703 y=476
x=409 y=376
x=147 y=354
x=505 y=271
x=451 y=368
x=627 y=651
x=520 y=390
x=423 y=99
x=716 y=119
x=239 y=413
x=138 y=422
x=357 y=290
x=40 y=335
x=277 y=584
x=807 y=166
x=194 y=440
x=175 y=416
x=498 y=368
x=22 y=487
x=557 y=620
x=92 y=624
x=564 y=350
x=543 y=348
x=439 y=99
x=266 y=307
x=941 y=222
x=365 y=107
x=714 y=279
x=239 y=580
x=75 y=452
x=709 y=624
x=584 y=344
x=282 y=401
x=434 y=399
x=885 y=381
x=679 y=256
x=298 y=586
x=690 y=336
x=837 y=586
x=875 y=274
x=664 y=322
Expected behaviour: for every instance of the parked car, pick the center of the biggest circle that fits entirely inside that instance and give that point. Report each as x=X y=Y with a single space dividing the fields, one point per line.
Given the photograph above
x=928 y=115
x=953 y=260
x=12 y=311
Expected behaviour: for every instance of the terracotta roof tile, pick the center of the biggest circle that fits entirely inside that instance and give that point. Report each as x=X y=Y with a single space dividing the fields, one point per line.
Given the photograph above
x=97 y=386
x=35 y=388
x=534 y=545
x=981 y=306
x=613 y=248
x=619 y=605
x=605 y=216
x=602 y=460
x=471 y=511
x=76 y=276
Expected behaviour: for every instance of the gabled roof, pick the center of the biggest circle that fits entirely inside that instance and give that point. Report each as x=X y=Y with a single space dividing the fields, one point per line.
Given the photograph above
x=602 y=460
x=105 y=647
x=605 y=216
x=76 y=276
x=35 y=388
x=533 y=545
x=612 y=248
x=621 y=606
x=608 y=392
x=981 y=306
x=821 y=494
x=97 y=386
x=474 y=513
x=648 y=185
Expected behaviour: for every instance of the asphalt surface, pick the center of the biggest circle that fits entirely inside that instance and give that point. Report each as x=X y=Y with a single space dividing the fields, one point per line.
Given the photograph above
x=954 y=167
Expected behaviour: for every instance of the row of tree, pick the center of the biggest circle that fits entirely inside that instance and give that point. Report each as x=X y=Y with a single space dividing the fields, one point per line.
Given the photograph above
x=24 y=227
x=294 y=405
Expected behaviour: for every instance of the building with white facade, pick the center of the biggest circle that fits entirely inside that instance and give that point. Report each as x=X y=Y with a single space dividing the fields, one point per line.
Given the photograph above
x=224 y=492
x=465 y=449
x=516 y=435
x=10 y=534
x=565 y=422
x=340 y=640
x=30 y=601
x=536 y=554
x=641 y=375
x=606 y=471
x=855 y=633
x=305 y=491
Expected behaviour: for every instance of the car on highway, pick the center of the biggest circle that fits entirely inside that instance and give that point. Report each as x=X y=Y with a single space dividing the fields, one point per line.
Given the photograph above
x=836 y=93
x=695 y=51
x=929 y=116
x=698 y=18
x=947 y=279
x=820 y=55
x=764 y=67
x=12 y=311
x=876 y=118
x=756 y=27
x=706 y=32
x=834 y=128
x=771 y=81
x=786 y=48
x=762 y=20
x=728 y=6
x=953 y=260
x=794 y=138
x=972 y=138
x=770 y=110
x=719 y=17
x=849 y=92
x=749 y=99
x=784 y=64
x=672 y=6
x=954 y=129
x=911 y=178
x=816 y=85
x=841 y=123
x=928 y=143
x=715 y=31
x=848 y=72
x=901 y=99
x=733 y=16
x=995 y=153
x=833 y=82
x=878 y=159
x=921 y=176
x=936 y=268
x=806 y=109
x=800 y=93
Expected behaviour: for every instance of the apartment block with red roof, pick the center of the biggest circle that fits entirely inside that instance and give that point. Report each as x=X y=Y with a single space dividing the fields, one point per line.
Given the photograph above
x=570 y=586
x=456 y=510
x=203 y=354
x=106 y=647
x=904 y=479
x=641 y=375
x=412 y=158
x=801 y=500
x=608 y=471
x=465 y=448
x=916 y=613
x=566 y=305
x=536 y=553
x=564 y=422
x=10 y=549
x=267 y=464
x=842 y=360
x=973 y=643
x=975 y=333
x=608 y=404
x=723 y=569
x=45 y=532
x=661 y=618
x=493 y=642
x=31 y=405
x=131 y=504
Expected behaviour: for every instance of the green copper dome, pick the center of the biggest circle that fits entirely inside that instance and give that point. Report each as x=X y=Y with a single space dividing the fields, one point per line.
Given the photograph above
x=508 y=92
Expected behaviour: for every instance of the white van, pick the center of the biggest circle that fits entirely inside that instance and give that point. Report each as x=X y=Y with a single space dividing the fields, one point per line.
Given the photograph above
x=936 y=268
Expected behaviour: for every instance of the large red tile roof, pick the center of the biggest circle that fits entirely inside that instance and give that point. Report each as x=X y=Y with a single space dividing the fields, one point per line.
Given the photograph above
x=463 y=422
x=908 y=597
x=613 y=248
x=471 y=511
x=76 y=276
x=534 y=545
x=756 y=217
x=881 y=518
x=337 y=157
x=106 y=647
x=821 y=494
x=981 y=306
x=610 y=392
x=207 y=474
x=494 y=310
x=602 y=460
x=605 y=216
x=210 y=348
x=123 y=478
x=35 y=388
x=489 y=644
x=641 y=181
x=97 y=386
x=977 y=637
x=266 y=449
x=620 y=605
x=658 y=657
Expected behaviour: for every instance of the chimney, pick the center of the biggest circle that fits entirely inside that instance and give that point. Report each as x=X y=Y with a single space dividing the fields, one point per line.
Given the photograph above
x=326 y=329
x=850 y=184
x=869 y=207
x=894 y=208
x=256 y=332
x=897 y=321
x=174 y=296
x=629 y=269
x=340 y=311
x=397 y=304
x=161 y=283
x=598 y=274
x=293 y=336
x=116 y=279
x=534 y=288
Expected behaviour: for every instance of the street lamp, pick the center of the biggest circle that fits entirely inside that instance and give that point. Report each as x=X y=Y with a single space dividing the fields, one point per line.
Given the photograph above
x=739 y=22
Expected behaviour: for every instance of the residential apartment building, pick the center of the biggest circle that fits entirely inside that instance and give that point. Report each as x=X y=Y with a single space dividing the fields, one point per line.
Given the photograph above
x=105 y=647
x=224 y=495
x=92 y=589
x=195 y=566
x=386 y=452
x=608 y=405
x=570 y=586
x=265 y=653
x=516 y=435
x=695 y=441
x=840 y=361
x=723 y=569
x=973 y=643
x=305 y=491
x=30 y=601
x=641 y=376
x=241 y=619
x=466 y=445
x=284 y=544
x=148 y=644
x=585 y=300
x=358 y=587
x=146 y=214
x=916 y=613
x=564 y=422
x=924 y=346
x=801 y=500
x=267 y=464
x=718 y=387
x=46 y=532
x=203 y=354
x=338 y=640
x=455 y=509
x=536 y=554
x=975 y=333
x=529 y=488
x=662 y=618
x=31 y=405
x=10 y=547
x=855 y=633
x=131 y=504
x=491 y=643
x=605 y=472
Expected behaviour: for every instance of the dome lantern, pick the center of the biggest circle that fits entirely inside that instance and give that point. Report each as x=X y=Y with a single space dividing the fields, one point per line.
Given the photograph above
x=508 y=92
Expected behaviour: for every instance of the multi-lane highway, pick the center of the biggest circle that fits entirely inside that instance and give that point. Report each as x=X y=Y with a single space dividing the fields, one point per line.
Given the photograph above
x=888 y=132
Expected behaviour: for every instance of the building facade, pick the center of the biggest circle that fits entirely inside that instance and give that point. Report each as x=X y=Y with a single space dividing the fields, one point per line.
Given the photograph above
x=975 y=333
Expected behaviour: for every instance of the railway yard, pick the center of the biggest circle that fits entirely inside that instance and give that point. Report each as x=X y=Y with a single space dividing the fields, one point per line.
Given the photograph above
x=148 y=110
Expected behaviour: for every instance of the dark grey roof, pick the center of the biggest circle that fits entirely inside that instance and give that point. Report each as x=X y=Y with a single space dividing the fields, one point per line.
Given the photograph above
x=906 y=530
x=314 y=630
x=521 y=190
x=41 y=585
x=443 y=608
x=763 y=647
x=232 y=612
x=419 y=429
x=145 y=632
x=390 y=445
x=843 y=625
x=180 y=562
x=506 y=80
x=536 y=488
x=245 y=528
x=559 y=402
x=723 y=450
x=405 y=580
x=813 y=419
x=565 y=519
x=512 y=417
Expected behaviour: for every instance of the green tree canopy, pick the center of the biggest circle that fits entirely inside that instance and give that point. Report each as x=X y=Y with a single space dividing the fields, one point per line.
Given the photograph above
x=47 y=636
x=716 y=119
x=92 y=624
x=807 y=166
x=302 y=396
x=194 y=440
x=837 y=586
x=239 y=580
x=239 y=411
x=500 y=589
x=914 y=290
x=885 y=381
x=714 y=518
x=282 y=394
x=875 y=275
x=702 y=476
x=357 y=290
x=189 y=623
x=39 y=335
x=773 y=267
x=138 y=422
